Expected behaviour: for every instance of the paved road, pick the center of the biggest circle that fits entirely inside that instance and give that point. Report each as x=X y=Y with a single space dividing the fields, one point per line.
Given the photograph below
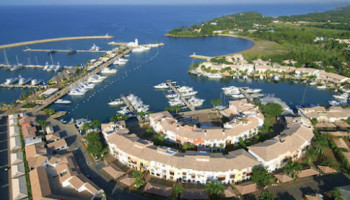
x=87 y=165
x=4 y=175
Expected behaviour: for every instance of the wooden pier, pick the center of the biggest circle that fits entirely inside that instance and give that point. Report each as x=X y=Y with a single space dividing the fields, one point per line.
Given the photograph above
x=242 y=90
x=66 y=90
x=32 y=66
x=53 y=40
x=20 y=86
x=128 y=104
x=200 y=57
x=169 y=83
x=62 y=51
x=124 y=44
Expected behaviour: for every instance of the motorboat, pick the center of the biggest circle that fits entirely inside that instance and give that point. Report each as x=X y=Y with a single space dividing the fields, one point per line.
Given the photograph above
x=172 y=95
x=322 y=87
x=253 y=90
x=238 y=96
x=77 y=92
x=120 y=61
x=22 y=80
x=161 y=86
x=140 y=49
x=276 y=78
x=108 y=70
x=63 y=102
x=185 y=89
x=16 y=67
x=95 y=48
x=196 y=102
x=215 y=76
x=188 y=94
x=343 y=96
x=116 y=102
x=10 y=81
x=313 y=83
x=34 y=82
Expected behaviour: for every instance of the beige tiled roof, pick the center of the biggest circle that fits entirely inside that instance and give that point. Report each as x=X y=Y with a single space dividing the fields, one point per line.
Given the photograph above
x=307 y=172
x=26 y=120
x=313 y=197
x=39 y=182
x=239 y=159
x=57 y=144
x=159 y=190
x=287 y=142
x=113 y=172
x=229 y=193
x=247 y=189
x=194 y=194
x=35 y=149
x=127 y=180
x=326 y=169
x=283 y=178
x=36 y=161
x=340 y=143
x=52 y=137
x=28 y=132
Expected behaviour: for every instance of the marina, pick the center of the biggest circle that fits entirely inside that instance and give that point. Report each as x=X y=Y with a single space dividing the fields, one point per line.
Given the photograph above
x=63 y=51
x=183 y=99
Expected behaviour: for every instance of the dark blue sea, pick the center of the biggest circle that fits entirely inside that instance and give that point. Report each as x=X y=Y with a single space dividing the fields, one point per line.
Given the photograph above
x=148 y=24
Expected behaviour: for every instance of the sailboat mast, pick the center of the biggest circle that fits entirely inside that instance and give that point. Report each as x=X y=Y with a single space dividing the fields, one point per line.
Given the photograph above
x=17 y=60
x=6 y=59
x=51 y=58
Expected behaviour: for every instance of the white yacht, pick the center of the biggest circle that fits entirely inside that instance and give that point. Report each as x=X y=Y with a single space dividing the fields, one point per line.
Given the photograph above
x=120 y=61
x=10 y=81
x=57 y=67
x=161 y=86
x=172 y=95
x=214 y=76
x=34 y=82
x=63 y=102
x=195 y=102
x=108 y=70
x=185 y=89
x=140 y=49
x=276 y=78
x=46 y=67
x=238 y=96
x=322 y=87
x=253 y=90
x=94 y=48
x=22 y=80
x=343 y=96
x=188 y=94
x=15 y=67
x=313 y=83
x=77 y=92
x=116 y=102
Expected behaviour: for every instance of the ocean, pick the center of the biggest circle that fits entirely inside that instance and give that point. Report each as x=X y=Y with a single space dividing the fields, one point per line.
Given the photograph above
x=148 y=24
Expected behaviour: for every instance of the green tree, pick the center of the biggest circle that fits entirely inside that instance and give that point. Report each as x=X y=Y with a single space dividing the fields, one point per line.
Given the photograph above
x=136 y=174
x=215 y=102
x=139 y=183
x=86 y=126
x=336 y=195
x=95 y=124
x=119 y=117
x=188 y=146
x=42 y=123
x=261 y=176
x=178 y=189
x=49 y=111
x=215 y=189
x=141 y=114
x=95 y=145
x=267 y=196
x=292 y=169
x=273 y=110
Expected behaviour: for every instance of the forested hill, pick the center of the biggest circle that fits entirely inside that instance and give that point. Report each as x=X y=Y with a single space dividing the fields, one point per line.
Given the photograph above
x=335 y=19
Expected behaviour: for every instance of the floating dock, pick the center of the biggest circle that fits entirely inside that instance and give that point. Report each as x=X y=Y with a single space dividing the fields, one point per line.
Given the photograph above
x=32 y=66
x=169 y=83
x=53 y=40
x=246 y=95
x=62 y=51
x=20 y=86
x=124 y=44
x=200 y=57
x=128 y=104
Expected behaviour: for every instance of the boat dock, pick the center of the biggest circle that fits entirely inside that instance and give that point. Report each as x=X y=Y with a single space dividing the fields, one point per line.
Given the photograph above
x=200 y=57
x=66 y=90
x=128 y=104
x=169 y=83
x=62 y=51
x=20 y=86
x=124 y=44
x=32 y=66
x=53 y=40
x=246 y=95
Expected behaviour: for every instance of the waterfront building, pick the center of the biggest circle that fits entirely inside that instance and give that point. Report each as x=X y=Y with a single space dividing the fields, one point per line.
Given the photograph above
x=305 y=72
x=245 y=120
x=166 y=163
x=322 y=114
x=290 y=144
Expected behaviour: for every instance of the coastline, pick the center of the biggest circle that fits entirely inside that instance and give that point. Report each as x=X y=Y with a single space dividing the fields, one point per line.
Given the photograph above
x=259 y=47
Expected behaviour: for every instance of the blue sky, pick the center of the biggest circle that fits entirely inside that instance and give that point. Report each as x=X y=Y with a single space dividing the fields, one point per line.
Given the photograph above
x=152 y=2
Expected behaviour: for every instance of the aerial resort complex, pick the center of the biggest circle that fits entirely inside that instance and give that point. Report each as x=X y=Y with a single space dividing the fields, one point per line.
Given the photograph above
x=242 y=106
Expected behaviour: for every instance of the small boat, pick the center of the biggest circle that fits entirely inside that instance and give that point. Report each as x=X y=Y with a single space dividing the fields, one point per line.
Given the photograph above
x=161 y=86
x=313 y=83
x=238 y=96
x=173 y=95
x=322 y=87
x=34 y=82
x=95 y=48
x=343 y=96
x=276 y=78
x=116 y=102
x=63 y=102
x=214 y=76
x=108 y=70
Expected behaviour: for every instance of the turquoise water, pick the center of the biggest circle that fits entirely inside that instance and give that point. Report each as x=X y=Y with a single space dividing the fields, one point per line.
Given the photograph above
x=148 y=24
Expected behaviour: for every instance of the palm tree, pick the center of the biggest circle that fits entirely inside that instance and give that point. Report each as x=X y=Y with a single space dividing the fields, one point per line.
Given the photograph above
x=337 y=195
x=178 y=189
x=267 y=196
x=95 y=124
x=138 y=183
x=42 y=123
x=215 y=189
x=292 y=168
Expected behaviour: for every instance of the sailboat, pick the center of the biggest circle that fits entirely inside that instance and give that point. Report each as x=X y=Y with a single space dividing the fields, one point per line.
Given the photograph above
x=16 y=67
x=6 y=60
